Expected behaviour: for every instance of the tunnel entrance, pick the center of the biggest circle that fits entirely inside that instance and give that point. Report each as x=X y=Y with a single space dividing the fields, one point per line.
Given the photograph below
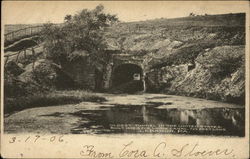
x=127 y=78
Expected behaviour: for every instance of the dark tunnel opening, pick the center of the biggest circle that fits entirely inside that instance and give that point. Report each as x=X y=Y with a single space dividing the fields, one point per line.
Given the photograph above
x=127 y=78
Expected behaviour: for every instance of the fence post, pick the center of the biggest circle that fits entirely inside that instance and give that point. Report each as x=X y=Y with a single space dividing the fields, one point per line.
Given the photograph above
x=12 y=36
x=33 y=56
x=24 y=53
x=17 y=56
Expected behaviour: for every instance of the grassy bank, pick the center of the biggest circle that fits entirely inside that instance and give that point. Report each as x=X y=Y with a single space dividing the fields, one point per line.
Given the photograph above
x=49 y=99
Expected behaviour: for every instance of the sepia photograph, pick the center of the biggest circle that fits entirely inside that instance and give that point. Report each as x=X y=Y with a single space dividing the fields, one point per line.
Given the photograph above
x=118 y=68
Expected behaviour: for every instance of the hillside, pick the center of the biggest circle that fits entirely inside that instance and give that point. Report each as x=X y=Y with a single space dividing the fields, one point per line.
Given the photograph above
x=185 y=30
x=201 y=56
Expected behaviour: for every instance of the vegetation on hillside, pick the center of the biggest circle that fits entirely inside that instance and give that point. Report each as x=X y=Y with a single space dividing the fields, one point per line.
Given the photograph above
x=82 y=31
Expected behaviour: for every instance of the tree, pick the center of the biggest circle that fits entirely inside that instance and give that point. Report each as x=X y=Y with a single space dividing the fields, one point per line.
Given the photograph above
x=83 y=31
x=67 y=18
x=191 y=14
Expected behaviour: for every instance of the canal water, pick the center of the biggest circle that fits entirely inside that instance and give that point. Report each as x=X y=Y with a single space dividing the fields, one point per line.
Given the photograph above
x=149 y=119
x=133 y=114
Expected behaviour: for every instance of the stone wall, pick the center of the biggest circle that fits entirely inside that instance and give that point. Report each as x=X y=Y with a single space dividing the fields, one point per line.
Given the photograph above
x=82 y=73
x=85 y=75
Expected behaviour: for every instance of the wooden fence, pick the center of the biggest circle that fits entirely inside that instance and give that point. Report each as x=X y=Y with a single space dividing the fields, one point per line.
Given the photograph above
x=24 y=32
x=19 y=34
x=29 y=31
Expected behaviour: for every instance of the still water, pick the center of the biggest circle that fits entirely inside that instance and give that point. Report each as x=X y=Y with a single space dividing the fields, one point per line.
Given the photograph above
x=150 y=119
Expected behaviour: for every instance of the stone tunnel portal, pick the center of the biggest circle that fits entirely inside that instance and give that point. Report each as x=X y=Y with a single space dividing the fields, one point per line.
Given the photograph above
x=128 y=78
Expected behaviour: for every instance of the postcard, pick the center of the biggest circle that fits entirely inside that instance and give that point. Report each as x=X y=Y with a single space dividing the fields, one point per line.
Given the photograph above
x=125 y=79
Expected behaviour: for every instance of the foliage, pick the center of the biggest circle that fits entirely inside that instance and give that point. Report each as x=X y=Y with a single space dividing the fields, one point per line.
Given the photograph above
x=83 y=31
x=49 y=99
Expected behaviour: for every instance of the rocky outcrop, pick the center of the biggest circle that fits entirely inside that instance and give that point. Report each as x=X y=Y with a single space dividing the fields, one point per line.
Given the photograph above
x=46 y=74
x=41 y=76
x=218 y=74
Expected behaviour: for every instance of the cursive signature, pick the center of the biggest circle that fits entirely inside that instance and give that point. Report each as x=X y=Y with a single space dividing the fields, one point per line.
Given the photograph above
x=161 y=150
x=188 y=150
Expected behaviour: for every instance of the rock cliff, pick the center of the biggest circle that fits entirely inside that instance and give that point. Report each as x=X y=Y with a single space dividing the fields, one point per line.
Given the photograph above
x=200 y=56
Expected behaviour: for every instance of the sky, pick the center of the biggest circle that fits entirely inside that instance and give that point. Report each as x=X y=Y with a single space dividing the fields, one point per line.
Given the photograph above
x=28 y=12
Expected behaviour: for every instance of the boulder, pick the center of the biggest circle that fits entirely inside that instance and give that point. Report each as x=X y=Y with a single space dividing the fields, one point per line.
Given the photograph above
x=46 y=74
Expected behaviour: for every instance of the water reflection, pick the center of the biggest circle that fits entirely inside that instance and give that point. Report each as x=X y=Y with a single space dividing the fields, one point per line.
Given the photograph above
x=213 y=121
